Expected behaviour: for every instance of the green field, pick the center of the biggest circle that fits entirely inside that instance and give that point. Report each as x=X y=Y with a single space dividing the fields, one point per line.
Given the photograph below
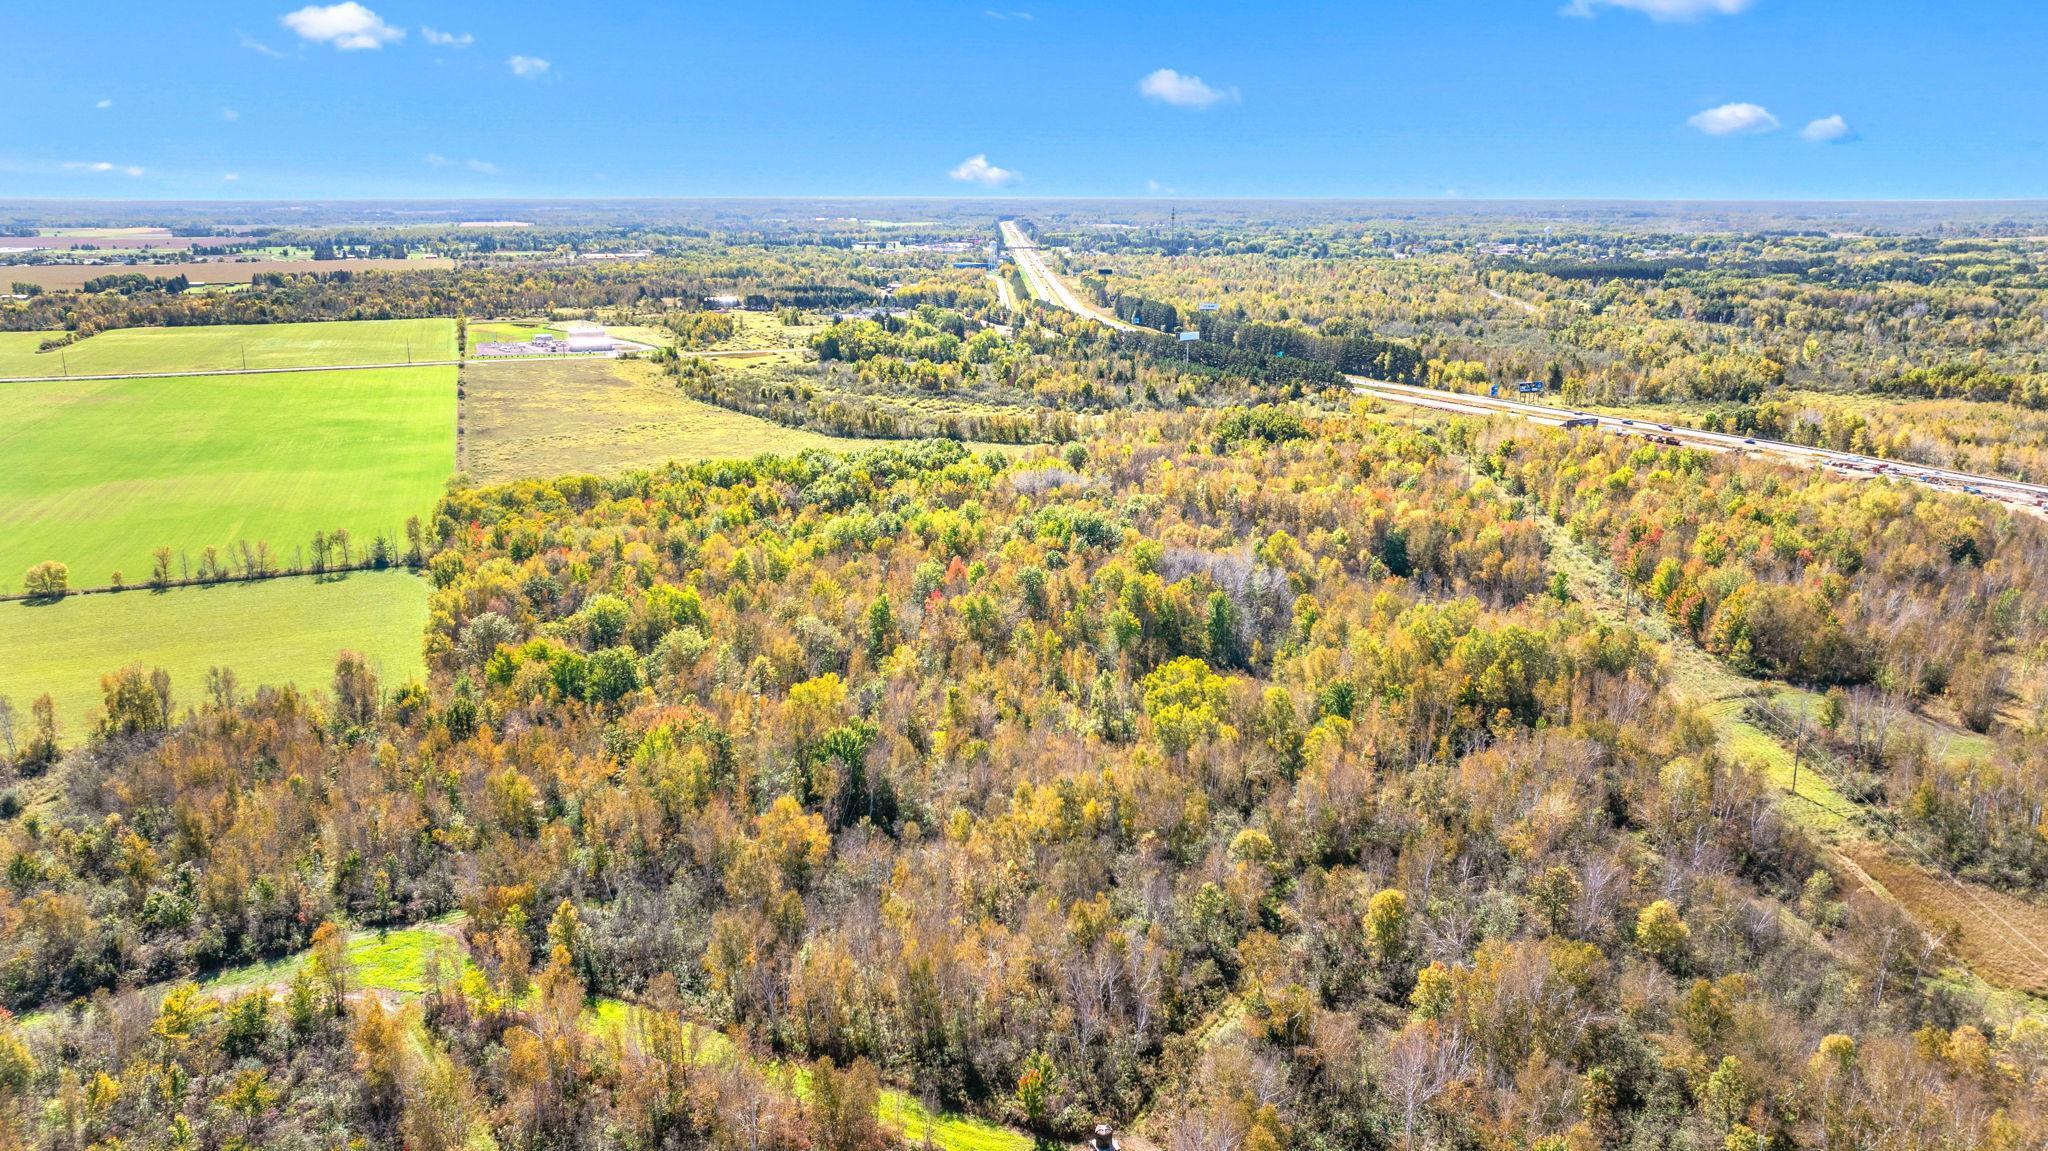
x=533 y=418
x=231 y=347
x=273 y=632
x=101 y=473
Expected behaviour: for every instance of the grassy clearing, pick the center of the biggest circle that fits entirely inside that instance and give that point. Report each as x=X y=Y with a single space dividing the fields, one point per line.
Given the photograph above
x=1721 y=694
x=101 y=473
x=1945 y=742
x=394 y=962
x=532 y=418
x=2001 y=939
x=766 y=330
x=904 y=1114
x=643 y=334
x=273 y=632
x=233 y=347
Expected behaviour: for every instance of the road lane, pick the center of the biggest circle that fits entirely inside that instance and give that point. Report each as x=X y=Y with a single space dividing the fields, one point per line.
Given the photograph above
x=2013 y=493
x=1046 y=285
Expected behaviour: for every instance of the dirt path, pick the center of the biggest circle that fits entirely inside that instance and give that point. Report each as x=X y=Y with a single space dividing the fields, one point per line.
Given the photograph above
x=1996 y=933
x=2000 y=937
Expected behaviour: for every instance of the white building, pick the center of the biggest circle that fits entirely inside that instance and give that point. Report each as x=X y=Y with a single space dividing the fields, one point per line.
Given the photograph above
x=584 y=337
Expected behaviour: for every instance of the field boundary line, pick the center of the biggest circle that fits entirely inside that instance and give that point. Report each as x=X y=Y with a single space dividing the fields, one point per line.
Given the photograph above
x=227 y=372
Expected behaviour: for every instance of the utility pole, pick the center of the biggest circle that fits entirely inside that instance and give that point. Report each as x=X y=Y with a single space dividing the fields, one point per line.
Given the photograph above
x=1798 y=745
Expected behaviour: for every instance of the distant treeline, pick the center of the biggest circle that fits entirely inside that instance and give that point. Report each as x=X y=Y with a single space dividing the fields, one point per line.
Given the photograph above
x=130 y=283
x=1275 y=353
x=387 y=295
x=1967 y=382
x=1605 y=269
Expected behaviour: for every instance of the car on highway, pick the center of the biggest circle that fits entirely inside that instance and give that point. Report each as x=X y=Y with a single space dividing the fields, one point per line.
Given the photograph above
x=1747 y=440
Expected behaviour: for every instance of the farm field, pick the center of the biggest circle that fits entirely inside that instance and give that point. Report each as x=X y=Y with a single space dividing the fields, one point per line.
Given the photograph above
x=72 y=276
x=103 y=472
x=125 y=239
x=232 y=347
x=270 y=632
x=528 y=418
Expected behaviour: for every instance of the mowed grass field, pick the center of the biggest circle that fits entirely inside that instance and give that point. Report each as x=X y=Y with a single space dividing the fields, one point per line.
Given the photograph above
x=98 y=474
x=530 y=418
x=230 y=347
x=272 y=632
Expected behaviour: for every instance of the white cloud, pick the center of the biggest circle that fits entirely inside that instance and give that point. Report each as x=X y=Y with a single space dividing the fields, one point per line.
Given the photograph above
x=992 y=14
x=437 y=160
x=1662 y=9
x=528 y=67
x=1734 y=120
x=1170 y=87
x=440 y=39
x=230 y=115
x=230 y=177
x=348 y=26
x=976 y=169
x=103 y=104
x=1156 y=188
x=259 y=47
x=1828 y=130
x=103 y=166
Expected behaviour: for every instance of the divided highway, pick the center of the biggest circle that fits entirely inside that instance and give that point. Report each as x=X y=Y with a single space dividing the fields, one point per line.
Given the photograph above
x=2013 y=493
x=1045 y=284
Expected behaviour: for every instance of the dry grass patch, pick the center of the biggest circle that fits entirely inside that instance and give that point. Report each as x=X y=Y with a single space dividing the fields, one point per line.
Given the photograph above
x=534 y=418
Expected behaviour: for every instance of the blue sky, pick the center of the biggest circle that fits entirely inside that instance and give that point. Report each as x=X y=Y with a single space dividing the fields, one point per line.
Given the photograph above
x=1476 y=98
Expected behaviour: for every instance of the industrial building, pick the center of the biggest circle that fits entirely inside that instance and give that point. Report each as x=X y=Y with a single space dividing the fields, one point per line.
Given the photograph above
x=587 y=337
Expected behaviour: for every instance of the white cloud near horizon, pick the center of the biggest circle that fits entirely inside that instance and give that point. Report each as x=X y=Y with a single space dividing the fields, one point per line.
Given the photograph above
x=1739 y=119
x=1170 y=87
x=104 y=104
x=348 y=26
x=103 y=167
x=482 y=167
x=976 y=169
x=1828 y=130
x=440 y=39
x=1661 y=10
x=528 y=67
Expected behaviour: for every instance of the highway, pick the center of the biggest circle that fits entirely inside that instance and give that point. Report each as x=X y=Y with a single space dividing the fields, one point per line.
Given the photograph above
x=2013 y=493
x=1045 y=284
